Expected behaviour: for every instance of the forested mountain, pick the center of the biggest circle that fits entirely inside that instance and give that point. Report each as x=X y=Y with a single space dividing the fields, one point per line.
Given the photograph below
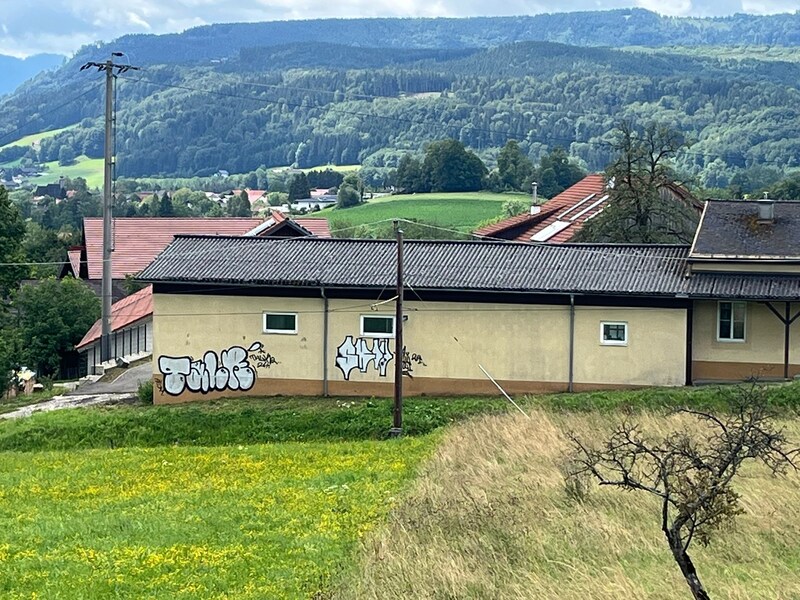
x=229 y=97
x=13 y=71
x=625 y=27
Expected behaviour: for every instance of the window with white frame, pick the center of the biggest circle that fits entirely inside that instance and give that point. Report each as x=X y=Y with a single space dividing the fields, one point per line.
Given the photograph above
x=377 y=326
x=285 y=323
x=731 y=317
x=614 y=333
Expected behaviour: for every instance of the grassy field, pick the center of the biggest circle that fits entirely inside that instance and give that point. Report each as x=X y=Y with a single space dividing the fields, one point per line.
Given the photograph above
x=306 y=498
x=461 y=211
x=489 y=518
x=35 y=138
x=268 y=521
x=91 y=169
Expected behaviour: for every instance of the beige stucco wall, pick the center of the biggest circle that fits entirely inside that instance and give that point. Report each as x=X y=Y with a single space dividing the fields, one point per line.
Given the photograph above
x=761 y=354
x=527 y=344
x=655 y=353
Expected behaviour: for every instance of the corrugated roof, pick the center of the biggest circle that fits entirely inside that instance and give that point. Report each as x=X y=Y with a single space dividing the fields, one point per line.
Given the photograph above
x=125 y=312
x=731 y=229
x=137 y=240
x=743 y=287
x=473 y=265
x=589 y=189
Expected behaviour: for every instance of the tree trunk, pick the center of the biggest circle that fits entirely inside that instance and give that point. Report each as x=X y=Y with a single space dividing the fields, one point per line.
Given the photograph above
x=687 y=568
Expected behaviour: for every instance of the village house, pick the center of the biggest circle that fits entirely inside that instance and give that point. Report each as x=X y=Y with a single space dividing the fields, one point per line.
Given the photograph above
x=247 y=315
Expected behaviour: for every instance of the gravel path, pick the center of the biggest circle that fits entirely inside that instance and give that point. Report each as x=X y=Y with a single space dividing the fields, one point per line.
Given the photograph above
x=62 y=402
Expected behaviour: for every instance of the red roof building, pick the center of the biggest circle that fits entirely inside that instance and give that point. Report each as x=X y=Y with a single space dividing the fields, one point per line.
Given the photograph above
x=138 y=240
x=558 y=219
x=124 y=314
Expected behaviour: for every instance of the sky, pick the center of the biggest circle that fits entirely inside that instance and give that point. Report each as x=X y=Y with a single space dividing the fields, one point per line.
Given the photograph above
x=62 y=26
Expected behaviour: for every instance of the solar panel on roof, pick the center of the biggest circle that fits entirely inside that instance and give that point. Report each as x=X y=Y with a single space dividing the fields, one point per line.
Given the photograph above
x=551 y=230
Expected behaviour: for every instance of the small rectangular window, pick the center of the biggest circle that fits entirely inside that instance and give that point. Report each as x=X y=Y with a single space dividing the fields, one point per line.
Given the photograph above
x=613 y=334
x=378 y=326
x=731 y=317
x=280 y=323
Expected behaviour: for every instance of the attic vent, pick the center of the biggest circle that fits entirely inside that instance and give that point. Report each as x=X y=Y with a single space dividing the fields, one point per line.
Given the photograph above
x=766 y=211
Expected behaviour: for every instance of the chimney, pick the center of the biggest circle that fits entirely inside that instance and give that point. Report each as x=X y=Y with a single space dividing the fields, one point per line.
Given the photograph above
x=766 y=210
x=535 y=208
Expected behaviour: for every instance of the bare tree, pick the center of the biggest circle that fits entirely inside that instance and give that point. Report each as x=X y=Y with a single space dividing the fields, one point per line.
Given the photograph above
x=691 y=474
x=639 y=210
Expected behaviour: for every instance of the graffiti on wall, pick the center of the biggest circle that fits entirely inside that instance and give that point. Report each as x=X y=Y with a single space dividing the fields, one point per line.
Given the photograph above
x=409 y=360
x=358 y=353
x=231 y=370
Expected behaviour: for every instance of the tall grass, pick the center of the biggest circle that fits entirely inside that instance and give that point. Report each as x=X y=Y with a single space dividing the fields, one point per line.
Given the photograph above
x=489 y=518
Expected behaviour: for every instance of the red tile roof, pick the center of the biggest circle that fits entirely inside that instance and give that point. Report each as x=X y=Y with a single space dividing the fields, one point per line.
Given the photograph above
x=124 y=312
x=137 y=240
x=571 y=208
x=74 y=255
x=317 y=227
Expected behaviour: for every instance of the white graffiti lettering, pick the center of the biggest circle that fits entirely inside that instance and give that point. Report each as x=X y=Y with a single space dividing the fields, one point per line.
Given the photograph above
x=231 y=371
x=359 y=354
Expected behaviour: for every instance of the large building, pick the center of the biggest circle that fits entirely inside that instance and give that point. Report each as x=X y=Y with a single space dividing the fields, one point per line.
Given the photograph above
x=247 y=315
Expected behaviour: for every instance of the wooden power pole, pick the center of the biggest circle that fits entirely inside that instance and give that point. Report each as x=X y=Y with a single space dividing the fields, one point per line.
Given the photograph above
x=397 y=426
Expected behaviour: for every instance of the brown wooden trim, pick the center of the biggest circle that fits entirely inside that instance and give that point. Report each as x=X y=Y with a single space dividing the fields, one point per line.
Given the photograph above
x=419 y=386
x=703 y=370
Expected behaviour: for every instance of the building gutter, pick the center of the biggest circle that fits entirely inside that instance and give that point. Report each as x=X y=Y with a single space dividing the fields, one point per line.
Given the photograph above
x=324 y=342
x=570 y=384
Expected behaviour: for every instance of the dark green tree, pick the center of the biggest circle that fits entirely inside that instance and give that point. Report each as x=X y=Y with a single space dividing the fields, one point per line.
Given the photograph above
x=638 y=213
x=787 y=189
x=12 y=234
x=514 y=169
x=239 y=205
x=450 y=167
x=165 y=208
x=409 y=176
x=556 y=173
x=299 y=188
x=350 y=191
x=53 y=316
x=43 y=246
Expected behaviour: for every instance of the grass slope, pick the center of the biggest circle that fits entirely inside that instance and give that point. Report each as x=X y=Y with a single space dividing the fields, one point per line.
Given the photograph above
x=463 y=211
x=489 y=518
x=267 y=521
x=91 y=169
x=35 y=138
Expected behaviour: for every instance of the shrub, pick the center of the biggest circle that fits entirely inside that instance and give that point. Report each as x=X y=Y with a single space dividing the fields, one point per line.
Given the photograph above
x=145 y=391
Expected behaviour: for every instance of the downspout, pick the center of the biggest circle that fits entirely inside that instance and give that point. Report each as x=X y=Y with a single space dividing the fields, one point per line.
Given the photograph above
x=570 y=385
x=324 y=342
x=787 y=327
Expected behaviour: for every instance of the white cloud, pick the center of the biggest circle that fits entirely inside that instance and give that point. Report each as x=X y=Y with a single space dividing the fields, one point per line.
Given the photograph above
x=64 y=25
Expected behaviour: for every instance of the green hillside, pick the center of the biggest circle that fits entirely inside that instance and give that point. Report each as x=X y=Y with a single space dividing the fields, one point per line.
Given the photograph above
x=36 y=138
x=91 y=169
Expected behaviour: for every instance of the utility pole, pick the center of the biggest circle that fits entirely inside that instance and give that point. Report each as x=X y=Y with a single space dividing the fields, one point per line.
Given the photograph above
x=111 y=70
x=397 y=427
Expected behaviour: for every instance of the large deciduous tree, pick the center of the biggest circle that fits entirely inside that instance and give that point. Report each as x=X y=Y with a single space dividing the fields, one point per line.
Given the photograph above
x=53 y=316
x=12 y=234
x=690 y=471
x=514 y=169
x=450 y=167
x=638 y=212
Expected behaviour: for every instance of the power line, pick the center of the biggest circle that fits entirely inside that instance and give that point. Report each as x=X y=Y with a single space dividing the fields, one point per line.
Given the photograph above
x=50 y=112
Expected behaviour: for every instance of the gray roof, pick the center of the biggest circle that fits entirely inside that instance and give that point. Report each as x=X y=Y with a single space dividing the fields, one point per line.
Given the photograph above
x=603 y=269
x=445 y=265
x=730 y=229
